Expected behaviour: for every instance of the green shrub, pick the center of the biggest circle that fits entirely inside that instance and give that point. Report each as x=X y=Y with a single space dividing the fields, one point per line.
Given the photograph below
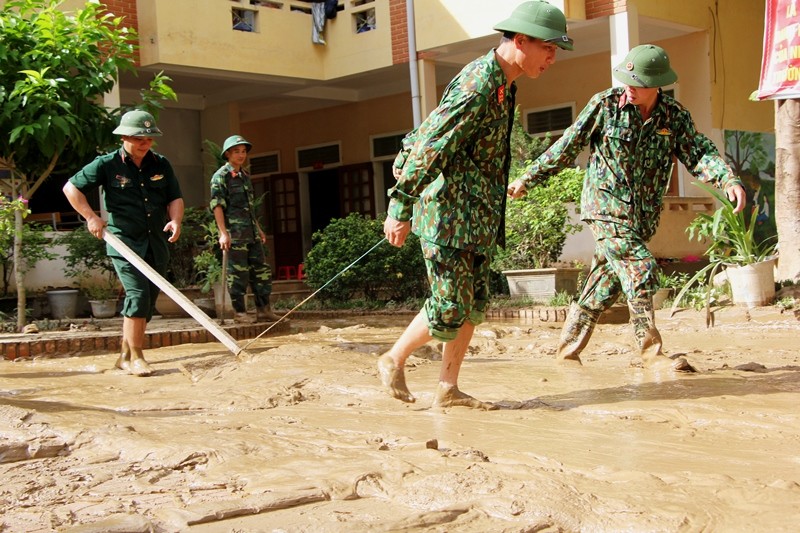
x=182 y=270
x=387 y=273
x=537 y=225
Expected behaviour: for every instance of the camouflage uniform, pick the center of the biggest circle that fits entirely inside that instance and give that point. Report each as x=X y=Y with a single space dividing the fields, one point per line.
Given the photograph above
x=233 y=191
x=454 y=170
x=628 y=173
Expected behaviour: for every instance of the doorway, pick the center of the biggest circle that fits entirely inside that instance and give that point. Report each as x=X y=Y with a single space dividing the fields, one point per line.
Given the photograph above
x=323 y=192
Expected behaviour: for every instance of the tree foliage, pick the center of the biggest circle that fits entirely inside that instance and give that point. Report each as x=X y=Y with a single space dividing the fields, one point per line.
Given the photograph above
x=386 y=273
x=57 y=67
x=537 y=225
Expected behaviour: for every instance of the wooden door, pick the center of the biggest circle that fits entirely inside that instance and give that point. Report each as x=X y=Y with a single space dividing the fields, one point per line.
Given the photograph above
x=284 y=205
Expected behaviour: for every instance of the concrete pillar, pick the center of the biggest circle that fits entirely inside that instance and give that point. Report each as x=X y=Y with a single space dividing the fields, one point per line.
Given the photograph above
x=429 y=98
x=624 y=35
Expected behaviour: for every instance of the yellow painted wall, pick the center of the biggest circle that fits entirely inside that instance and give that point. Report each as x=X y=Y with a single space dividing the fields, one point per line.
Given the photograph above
x=736 y=31
x=375 y=117
x=441 y=22
x=210 y=42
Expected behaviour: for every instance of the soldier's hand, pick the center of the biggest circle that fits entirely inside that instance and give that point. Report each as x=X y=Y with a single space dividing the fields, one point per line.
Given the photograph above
x=736 y=192
x=225 y=240
x=96 y=226
x=396 y=231
x=517 y=189
x=174 y=230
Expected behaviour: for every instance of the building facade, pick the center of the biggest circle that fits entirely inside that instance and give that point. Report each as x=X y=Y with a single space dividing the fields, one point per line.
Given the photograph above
x=326 y=120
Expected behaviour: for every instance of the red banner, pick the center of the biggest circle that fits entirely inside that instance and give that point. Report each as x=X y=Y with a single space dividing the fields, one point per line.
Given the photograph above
x=780 y=63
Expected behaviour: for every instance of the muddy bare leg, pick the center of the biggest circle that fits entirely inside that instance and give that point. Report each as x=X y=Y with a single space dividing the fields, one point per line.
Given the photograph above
x=124 y=359
x=447 y=393
x=133 y=332
x=391 y=364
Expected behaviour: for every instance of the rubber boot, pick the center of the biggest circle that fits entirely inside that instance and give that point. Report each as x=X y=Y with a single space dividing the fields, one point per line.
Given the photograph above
x=139 y=366
x=648 y=339
x=575 y=334
x=265 y=313
x=124 y=359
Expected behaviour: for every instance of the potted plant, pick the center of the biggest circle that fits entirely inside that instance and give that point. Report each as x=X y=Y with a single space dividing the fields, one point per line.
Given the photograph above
x=537 y=227
x=734 y=249
x=667 y=283
x=88 y=263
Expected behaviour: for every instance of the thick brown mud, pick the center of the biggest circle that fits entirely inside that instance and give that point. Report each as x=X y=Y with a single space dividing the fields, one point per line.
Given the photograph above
x=302 y=437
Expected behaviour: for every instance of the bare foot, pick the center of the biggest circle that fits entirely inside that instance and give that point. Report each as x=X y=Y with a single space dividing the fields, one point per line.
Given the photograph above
x=139 y=367
x=450 y=396
x=394 y=379
x=663 y=362
x=123 y=362
x=572 y=361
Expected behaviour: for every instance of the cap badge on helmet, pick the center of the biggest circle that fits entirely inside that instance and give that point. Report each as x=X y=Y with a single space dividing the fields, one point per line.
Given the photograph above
x=146 y=123
x=629 y=65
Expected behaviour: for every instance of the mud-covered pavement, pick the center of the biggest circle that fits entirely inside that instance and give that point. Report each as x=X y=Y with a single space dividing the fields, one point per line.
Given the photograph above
x=303 y=439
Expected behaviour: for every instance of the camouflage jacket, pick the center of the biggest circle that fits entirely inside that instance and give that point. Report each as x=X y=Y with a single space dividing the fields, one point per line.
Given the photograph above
x=455 y=164
x=233 y=191
x=630 y=161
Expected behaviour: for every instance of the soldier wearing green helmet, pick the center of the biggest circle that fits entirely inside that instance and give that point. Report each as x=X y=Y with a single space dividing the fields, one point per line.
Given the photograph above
x=452 y=174
x=632 y=132
x=145 y=209
x=240 y=234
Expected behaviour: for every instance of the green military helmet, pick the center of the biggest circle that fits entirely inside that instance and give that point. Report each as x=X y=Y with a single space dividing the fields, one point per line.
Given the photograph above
x=646 y=65
x=540 y=20
x=138 y=123
x=235 y=140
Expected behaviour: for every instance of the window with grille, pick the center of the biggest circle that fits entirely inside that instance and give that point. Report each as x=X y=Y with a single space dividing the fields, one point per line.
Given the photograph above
x=318 y=157
x=554 y=120
x=363 y=16
x=265 y=164
x=386 y=146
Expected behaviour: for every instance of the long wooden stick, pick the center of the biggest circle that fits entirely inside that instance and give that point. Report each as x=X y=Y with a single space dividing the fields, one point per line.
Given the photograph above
x=224 y=284
x=187 y=305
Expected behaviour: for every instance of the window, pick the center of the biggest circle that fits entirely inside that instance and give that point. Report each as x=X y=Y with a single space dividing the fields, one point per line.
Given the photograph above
x=386 y=146
x=262 y=165
x=318 y=157
x=552 y=120
x=363 y=17
x=244 y=19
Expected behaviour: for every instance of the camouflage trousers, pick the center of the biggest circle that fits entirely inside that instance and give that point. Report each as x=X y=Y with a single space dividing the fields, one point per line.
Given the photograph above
x=622 y=264
x=459 y=283
x=247 y=265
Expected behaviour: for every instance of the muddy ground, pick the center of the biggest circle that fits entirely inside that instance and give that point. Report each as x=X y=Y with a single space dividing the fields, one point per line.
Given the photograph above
x=302 y=438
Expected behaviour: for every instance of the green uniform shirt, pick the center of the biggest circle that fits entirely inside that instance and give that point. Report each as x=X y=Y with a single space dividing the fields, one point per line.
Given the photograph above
x=631 y=161
x=136 y=199
x=233 y=191
x=455 y=164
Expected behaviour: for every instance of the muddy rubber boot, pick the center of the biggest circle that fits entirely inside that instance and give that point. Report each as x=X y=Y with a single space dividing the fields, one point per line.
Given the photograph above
x=124 y=359
x=265 y=313
x=648 y=339
x=139 y=366
x=575 y=334
x=244 y=318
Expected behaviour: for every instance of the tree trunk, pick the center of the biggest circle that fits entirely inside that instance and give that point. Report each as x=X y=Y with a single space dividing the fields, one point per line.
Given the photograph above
x=787 y=187
x=19 y=275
